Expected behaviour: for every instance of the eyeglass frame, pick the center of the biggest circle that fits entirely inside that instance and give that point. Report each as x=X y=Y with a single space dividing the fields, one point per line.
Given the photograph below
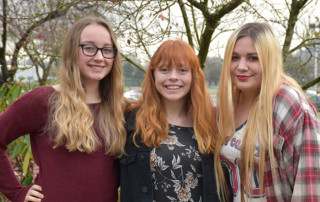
x=114 y=50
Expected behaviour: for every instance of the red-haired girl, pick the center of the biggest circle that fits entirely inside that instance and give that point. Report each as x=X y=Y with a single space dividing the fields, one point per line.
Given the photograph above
x=171 y=132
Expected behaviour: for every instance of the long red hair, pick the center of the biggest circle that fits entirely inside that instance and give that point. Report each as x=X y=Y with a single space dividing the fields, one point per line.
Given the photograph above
x=151 y=121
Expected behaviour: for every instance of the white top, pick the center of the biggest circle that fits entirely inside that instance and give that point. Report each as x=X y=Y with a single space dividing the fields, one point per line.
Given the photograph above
x=230 y=157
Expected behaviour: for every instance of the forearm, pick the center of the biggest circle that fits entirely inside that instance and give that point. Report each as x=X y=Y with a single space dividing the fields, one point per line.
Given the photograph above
x=9 y=183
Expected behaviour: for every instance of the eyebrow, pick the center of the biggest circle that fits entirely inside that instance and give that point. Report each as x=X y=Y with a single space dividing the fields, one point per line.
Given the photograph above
x=254 y=53
x=91 y=42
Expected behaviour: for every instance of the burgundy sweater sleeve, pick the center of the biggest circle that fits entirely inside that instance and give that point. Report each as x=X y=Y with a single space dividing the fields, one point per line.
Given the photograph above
x=24 y=116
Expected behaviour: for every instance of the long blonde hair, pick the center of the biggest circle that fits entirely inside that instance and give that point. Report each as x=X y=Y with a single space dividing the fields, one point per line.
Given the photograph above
x=70 y=116
x=151 y=120
x=259 y=126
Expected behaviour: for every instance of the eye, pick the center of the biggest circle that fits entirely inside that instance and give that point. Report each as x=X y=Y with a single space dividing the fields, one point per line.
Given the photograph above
x=163 y=69
x=89 y=48
x=235 y=57
x=253 y=58
x=107 y=50
x=183 y=69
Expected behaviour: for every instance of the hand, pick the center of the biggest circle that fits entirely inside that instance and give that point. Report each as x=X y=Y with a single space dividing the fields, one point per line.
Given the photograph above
x=34 y=194
x=35 y=173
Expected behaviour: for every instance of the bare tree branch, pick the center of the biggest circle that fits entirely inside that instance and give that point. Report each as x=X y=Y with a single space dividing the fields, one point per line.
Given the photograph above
x=186 y=22
x=61 y=10
x=132 y=62
x=304 y=44
x=311 y=83
x=296 y=7
x=212 y=22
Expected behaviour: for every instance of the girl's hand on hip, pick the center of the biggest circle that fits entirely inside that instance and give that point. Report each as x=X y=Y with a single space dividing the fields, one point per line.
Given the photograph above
x=34 y=194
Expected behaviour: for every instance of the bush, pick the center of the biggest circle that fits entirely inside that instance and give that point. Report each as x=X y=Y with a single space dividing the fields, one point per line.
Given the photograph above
x=19 y=151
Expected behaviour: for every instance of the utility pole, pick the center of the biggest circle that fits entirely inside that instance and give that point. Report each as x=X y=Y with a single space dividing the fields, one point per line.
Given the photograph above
x=315 y=29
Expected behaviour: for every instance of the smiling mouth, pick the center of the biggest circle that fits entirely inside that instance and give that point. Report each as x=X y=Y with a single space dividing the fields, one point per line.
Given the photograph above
x=173 y=87
x=242 y=78
x=96 y=67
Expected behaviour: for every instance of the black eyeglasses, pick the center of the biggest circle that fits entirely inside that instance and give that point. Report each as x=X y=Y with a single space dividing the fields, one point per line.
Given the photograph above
x=91 y=50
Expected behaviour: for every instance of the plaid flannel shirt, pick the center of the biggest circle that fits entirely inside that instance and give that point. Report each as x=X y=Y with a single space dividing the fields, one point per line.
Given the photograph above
x=296 y=142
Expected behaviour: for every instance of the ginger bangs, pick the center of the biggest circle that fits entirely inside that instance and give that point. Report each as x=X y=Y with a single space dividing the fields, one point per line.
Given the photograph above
x=174 y=52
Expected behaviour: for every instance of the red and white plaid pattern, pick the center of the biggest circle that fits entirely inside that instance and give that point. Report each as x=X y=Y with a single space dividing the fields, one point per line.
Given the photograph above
x=296 y=147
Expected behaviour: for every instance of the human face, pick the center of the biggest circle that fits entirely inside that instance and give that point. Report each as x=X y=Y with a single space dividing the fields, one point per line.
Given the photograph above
x=94 y=68
x=173 y=82
x=245 y=67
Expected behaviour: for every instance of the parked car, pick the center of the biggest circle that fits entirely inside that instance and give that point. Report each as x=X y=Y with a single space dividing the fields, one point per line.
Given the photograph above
x=315 y=100
x=133 y=94
x=311 y=92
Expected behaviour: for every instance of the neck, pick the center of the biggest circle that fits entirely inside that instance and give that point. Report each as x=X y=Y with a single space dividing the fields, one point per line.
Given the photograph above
x=243 y=106
x=246 y=98
x=176 y=114
x=92 y=92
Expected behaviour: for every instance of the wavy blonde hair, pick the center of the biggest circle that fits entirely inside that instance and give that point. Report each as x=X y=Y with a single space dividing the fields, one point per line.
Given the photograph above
x=259 y=126
x=70 y=116
x=151 y=119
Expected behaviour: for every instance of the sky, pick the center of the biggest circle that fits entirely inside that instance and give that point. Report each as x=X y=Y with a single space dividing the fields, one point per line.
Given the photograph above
x=302 y=25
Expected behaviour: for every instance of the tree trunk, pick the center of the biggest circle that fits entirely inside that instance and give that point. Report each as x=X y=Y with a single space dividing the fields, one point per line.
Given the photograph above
x=3 y=63
x=296 y=7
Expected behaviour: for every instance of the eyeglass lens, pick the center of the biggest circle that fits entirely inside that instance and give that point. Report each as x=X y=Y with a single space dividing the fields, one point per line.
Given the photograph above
x=91 y=50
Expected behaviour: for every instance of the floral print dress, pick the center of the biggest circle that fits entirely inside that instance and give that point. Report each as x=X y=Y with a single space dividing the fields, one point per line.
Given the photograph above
x=176 y=167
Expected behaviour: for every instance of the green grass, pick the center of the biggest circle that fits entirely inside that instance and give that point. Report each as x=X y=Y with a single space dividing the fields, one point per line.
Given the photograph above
x=213 y=90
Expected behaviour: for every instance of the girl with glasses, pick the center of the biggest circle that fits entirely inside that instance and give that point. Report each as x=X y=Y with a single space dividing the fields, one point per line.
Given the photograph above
x=76 y=127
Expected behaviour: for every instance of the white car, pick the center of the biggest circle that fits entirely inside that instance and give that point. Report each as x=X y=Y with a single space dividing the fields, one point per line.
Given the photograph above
x=133 y=94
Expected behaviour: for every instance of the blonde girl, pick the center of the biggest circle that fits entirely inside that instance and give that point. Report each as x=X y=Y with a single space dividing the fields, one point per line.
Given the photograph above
x=76 y=127
x=269 y=131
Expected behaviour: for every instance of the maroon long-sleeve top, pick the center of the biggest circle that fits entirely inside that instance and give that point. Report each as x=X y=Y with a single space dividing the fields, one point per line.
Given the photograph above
x=64 y=176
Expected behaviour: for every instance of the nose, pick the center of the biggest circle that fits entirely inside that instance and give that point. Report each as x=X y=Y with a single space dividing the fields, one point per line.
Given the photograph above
x=98 y=55
x=243 y=66
x=173 y=75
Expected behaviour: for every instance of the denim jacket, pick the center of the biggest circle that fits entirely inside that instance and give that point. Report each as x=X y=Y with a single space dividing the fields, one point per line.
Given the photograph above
x=136 y=181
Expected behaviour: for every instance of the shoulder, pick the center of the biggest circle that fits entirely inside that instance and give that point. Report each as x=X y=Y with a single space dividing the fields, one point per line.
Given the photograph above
x=288 y=93
x=289 y=99
x=130 y=118
x=30 y=110
x=291 y=109
x=130 y=126
x=39 y=94
x=41 y=91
